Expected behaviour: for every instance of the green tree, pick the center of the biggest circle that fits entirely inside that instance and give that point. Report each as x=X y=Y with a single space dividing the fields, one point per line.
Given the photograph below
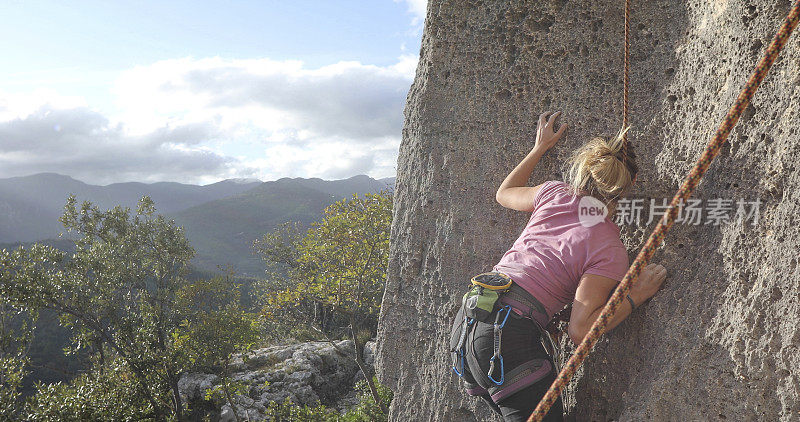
x=110 y=394
x=116 y=292
x=336 y=269
x=367 y=410
x=16 y=333
x=216 y=329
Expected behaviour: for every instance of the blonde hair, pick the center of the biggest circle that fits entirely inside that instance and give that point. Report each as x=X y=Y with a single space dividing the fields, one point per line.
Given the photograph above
x=604 y=169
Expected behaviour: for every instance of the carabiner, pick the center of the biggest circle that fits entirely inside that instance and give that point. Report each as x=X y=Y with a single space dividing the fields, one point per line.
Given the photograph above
x=461 y=354
x=507 y=308
x=467 y=322
x=502 y=370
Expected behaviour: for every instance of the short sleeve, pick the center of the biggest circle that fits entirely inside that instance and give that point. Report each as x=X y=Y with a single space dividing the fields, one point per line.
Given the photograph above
x=544 y=192
x=611 y=262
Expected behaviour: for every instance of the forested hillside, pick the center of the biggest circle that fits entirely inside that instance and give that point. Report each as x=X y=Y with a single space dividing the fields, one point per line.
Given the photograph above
x=30 y=206
x=147 y=337
x=221 y=219
x=223 y=231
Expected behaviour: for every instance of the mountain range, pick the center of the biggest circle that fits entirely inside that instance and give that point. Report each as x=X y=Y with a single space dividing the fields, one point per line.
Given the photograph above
x=221 y=219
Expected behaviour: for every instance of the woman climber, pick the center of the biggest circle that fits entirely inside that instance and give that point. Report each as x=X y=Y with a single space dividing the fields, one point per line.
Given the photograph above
x=569 y=252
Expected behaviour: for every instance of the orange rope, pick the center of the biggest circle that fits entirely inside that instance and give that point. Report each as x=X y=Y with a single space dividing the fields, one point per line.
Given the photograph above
x=686 y=190
x=626 y=77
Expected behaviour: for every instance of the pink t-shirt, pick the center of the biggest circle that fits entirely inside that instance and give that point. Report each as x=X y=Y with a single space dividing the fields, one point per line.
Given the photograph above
x=555 y=250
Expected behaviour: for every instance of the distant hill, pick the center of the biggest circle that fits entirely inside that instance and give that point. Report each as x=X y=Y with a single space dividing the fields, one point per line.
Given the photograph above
x=222 y=231
x=389 y=181
x=65 y=245
x=360 y=184
x=30 y=206
x=221 y=219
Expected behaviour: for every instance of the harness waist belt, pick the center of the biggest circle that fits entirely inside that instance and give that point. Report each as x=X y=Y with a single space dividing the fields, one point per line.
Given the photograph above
x=527 y=305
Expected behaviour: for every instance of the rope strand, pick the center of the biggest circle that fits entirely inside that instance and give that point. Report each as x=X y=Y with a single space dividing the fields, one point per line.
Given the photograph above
x=685 y=191
x=626 y=77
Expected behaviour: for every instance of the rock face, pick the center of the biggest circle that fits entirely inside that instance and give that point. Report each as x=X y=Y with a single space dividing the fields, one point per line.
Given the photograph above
x=721 y=339
x=306 y=373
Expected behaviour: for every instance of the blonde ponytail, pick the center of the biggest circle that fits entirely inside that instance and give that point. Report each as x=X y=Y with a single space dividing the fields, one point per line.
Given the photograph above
x=604 y=169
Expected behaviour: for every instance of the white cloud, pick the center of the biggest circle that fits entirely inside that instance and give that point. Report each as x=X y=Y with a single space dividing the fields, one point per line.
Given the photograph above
x=14 y=106
x=333 y=159
x=346 y=99
x=84 y=144
x=200 y=120
x=418 y=8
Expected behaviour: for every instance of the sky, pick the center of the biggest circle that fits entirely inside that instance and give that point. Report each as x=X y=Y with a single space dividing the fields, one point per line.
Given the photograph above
x=201 y=91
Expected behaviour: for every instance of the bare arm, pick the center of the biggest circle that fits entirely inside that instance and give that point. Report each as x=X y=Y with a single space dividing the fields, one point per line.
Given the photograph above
x=593 y=292
x=513 y=192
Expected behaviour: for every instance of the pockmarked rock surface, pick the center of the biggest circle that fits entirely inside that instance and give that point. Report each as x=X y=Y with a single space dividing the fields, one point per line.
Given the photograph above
x=720 y=341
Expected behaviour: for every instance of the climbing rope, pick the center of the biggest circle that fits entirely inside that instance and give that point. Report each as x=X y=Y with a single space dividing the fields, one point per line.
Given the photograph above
x=626 y=77
x=685 y=191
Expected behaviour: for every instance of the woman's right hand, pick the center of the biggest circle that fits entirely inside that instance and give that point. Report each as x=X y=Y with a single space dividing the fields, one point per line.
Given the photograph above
x=545 y=136
x=650 y=280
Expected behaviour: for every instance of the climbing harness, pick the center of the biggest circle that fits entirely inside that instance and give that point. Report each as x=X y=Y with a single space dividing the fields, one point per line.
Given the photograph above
x=478 y=304
x=493 y=298
x=657 y=236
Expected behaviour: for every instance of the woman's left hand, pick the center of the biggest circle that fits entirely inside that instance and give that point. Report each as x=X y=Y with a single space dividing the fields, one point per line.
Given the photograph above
x=545 y=137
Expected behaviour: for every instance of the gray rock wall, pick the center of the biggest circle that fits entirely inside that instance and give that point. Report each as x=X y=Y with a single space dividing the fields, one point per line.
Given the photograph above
x=720 y=340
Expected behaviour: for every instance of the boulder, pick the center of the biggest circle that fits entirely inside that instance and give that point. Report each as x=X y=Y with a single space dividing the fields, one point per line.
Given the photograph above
x=193 y=386
x=306 y=373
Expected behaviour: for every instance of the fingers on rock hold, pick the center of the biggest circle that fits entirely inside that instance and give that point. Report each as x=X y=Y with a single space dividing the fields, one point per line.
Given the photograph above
x=553 y=117
x=543 y=118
